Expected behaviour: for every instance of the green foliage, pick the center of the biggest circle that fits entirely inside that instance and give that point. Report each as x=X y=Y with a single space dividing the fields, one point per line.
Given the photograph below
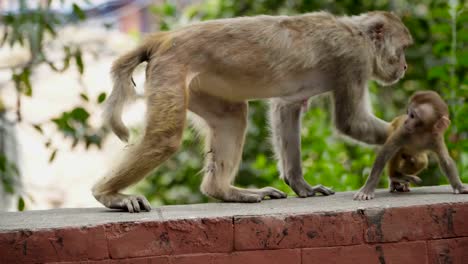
x=434 y=63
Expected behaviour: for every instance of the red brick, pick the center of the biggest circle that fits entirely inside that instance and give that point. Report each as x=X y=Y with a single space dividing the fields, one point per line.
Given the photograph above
x=69 y=244
x=282 y=256
x=137 y=240
x=409 y=223
x=399 y=253
x=405 y=252
x=275 y=232
x=460 y=215
x=341 y=255
x=453 y=251
x=210 y=258
x=172 y=237
x=145 y=260
x=201 y=235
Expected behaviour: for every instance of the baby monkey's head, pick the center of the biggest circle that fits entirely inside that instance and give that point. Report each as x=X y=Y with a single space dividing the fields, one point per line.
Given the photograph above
x=427 y=113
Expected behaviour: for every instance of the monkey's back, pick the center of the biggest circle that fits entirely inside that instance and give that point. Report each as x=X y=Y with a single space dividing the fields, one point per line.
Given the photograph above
x=259 y=44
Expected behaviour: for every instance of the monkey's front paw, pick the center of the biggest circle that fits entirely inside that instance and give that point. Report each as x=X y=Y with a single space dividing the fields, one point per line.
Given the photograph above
x=303 y=189
x=364 y=195
x=130 y=203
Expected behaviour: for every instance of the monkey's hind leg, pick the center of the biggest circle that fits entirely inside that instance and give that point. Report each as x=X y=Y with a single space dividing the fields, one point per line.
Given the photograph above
x=226 y=126
x=285 y=119
x=166 y=113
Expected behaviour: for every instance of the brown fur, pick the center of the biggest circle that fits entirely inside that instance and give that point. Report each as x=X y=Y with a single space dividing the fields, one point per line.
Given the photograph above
x=404 y=166
x=432 y=98
x=415 y=134
x=213 y=68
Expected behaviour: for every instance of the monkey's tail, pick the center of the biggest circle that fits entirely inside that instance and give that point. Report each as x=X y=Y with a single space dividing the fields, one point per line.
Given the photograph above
x=123 y=90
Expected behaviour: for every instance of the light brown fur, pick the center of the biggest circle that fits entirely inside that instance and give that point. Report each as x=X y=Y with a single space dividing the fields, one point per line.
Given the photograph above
x=213 y=68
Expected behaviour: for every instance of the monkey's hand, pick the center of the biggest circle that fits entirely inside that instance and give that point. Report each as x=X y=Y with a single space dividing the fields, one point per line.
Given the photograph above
x=364 y=194
x=130 y=203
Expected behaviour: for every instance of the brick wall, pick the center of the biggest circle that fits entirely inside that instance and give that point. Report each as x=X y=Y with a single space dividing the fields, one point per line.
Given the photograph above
x=413 y=228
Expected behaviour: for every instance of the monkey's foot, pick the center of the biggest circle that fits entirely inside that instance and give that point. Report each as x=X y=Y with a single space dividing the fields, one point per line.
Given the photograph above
x=130 y=203
x=257 y=195
x=364 y=194
x=399 y=187
x=272 y=193
x=462 y=190
x=303 y=189
x=239 y=195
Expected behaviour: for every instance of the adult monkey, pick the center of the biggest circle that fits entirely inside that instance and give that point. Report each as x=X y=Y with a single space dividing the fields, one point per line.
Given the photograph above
x=213 y=68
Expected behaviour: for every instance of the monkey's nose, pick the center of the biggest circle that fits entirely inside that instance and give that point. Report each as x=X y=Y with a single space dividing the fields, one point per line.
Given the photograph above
x=405 y=67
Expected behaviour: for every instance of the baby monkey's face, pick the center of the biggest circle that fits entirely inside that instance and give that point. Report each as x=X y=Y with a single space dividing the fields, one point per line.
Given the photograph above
x=420 y=118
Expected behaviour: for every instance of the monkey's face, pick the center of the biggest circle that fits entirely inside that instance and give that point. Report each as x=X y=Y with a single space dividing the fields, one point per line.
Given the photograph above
x=390 y=65
x=419 y=118
x=390 y=42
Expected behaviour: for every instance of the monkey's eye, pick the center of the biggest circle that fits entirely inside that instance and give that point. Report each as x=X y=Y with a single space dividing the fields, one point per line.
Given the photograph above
x=411 y=115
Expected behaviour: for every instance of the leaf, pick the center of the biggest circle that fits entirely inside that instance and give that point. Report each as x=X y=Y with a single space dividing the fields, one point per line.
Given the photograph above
x=79 y=61
x=23 y=82
x=21 y=204
x=79 y=114
x=169 y=9
x=75 y=142
x=52 y=156
x=49 y=28
x=84 y=97
x=101 y=97
x=38 y=128
x=462 y=58
x=93 y=139
x=437 y=72
x=78 y=12
x=3 y=163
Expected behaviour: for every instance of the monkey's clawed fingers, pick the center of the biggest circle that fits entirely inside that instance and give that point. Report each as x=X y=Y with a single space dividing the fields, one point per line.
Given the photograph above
x=364 y=195
x=273 y=193
x=303 y=189
x=135 y=204
x=130 y=203
x=323 y=190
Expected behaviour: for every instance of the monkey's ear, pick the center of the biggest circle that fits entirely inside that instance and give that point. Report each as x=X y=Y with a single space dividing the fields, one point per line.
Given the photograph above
x=376 y=30
x=441 y=125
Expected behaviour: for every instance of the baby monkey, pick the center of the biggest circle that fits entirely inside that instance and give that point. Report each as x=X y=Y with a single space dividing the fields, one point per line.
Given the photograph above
x=404 y=167
x=419 y=131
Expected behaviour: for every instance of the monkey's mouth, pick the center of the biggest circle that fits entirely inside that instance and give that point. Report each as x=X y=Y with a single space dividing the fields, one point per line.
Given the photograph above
x=389 y=78
x=401 y=75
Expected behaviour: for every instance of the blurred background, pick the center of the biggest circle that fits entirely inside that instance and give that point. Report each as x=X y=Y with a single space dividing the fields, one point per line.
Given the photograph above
x=55 y=57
